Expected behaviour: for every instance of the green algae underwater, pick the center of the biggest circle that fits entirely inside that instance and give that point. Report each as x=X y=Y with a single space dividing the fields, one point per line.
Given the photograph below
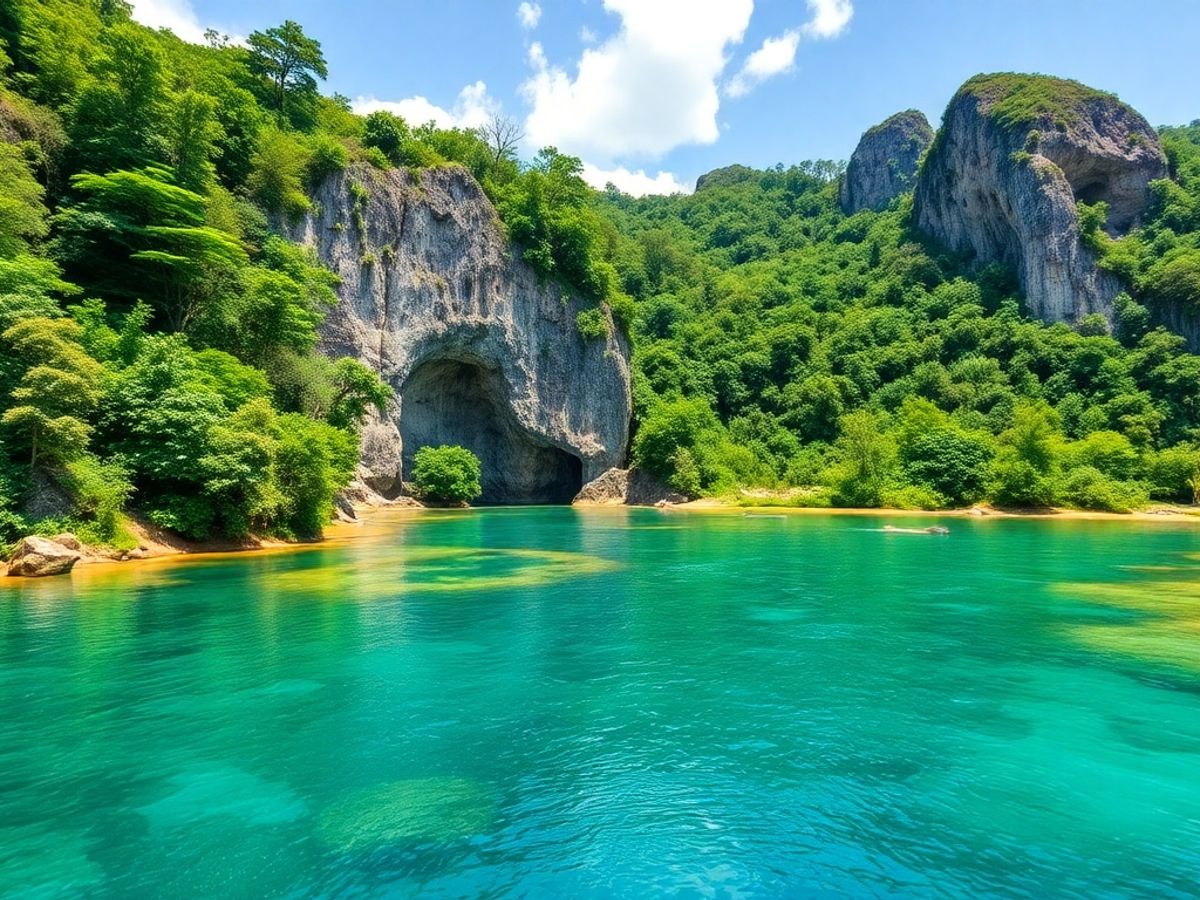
x=560 y=702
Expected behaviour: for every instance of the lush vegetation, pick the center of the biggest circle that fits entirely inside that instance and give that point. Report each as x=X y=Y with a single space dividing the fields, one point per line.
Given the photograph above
x=158 y=330
x=157 y=335
x=447 y=474
x=1015 y=99
x=842 y=360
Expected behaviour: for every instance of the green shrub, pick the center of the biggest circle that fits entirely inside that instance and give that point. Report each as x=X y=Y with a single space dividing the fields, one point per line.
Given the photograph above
x=950 y=463
x=447 y=474
x=591 y=324
x=686 y=477
x=1016 y=483
x=912 y=496
x=1174 y=473
x=327 y=155
x=1088 y=488
x=101 y=491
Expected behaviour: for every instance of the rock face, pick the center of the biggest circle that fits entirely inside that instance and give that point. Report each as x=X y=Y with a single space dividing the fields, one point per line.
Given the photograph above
x=36 y=557
x=627 y=487
x=479 y=350
x=1014 y=155
x=884 y=164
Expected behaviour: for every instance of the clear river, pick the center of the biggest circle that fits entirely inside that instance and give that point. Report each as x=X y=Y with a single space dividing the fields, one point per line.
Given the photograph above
x=548 y=702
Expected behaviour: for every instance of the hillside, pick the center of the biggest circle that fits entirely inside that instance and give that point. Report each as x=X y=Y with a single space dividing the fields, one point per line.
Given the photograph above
x=168 y=351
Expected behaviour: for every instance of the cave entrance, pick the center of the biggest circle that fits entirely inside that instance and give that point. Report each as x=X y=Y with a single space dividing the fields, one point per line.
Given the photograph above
x=454 y=401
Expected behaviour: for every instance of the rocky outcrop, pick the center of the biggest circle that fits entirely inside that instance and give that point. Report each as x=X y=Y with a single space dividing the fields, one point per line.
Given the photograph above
x=480 y=351
x=627 y=487
x=884 y=164
x=37 y=557
x=726 y=175
x=1014 y=155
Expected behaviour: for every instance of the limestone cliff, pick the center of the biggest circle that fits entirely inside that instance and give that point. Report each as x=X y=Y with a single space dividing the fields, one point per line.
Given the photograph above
x=1001 y=181
x=480 y=351
x=884 y=164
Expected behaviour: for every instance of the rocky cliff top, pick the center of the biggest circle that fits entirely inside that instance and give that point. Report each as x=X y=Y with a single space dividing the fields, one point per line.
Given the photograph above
x=480 y=350
x=1014 y=156
x=734 y=174
x=884 y=164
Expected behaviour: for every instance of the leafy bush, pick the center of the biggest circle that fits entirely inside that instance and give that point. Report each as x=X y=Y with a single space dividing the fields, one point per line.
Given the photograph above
x=1088 y=488
x=447 y=474
x=591 y=324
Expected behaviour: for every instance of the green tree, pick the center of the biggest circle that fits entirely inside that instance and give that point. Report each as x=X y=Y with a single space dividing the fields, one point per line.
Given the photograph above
x=447 y=474
x=194 y=135
x=868 y=460
x=59 y=390
x=117 y=122
x=290 y=62
x=136 y=234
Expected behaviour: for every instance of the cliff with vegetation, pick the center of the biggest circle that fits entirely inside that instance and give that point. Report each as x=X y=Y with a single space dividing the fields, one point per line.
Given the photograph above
x=479 y=349
x=222 y=294
x=884 y=164
x=1015 y=157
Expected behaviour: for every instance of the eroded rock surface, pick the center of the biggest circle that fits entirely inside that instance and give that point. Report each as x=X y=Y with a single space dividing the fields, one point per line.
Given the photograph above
x=884 y=164
x=627 y=487
x=38 y=557
x=1001 y=181
x=479 y=350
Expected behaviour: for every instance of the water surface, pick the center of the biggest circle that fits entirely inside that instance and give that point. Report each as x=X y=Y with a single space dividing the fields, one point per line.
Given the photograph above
x=558 y=702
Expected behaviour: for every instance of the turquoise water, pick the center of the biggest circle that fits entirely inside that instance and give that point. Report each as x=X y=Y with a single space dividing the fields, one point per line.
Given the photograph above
x=550 y=702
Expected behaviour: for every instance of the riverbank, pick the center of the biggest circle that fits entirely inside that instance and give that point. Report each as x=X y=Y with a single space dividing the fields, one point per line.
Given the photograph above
x=1157 y=513
x=155 y=545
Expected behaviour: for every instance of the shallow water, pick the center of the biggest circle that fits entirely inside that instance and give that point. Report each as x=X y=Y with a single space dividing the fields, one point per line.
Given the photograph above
x=552 y=702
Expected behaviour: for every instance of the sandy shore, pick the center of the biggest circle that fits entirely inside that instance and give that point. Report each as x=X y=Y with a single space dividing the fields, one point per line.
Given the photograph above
x=1190 y=515
x=374 y=520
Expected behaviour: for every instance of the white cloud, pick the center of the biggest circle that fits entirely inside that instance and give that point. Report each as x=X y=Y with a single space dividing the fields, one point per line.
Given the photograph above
x=648 y=89
x=528 y=14
x=587 y=35
x=473 y=107
x=176 y=15
x=829 y=17
x=638 y=183
x=778 y=54
x=775 y=56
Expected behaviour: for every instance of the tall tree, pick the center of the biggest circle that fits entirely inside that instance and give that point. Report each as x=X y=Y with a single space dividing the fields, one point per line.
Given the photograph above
x=117 y=122
x=288 y=59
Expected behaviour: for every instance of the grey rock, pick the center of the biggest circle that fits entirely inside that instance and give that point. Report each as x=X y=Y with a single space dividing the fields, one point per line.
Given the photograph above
x=69 y=541
x=884 y=164
x=480 y=351
x=38 y=557
x=627 y=487
x=1001 y=182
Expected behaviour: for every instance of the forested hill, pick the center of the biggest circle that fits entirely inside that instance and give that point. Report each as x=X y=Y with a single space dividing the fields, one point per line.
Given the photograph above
x=158 y=334
x=780 y=342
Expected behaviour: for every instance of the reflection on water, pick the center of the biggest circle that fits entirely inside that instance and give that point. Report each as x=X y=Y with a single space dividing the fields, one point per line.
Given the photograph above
x=612 y=703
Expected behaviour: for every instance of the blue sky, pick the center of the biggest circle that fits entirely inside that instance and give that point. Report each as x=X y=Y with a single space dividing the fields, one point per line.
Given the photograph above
x=652 y=93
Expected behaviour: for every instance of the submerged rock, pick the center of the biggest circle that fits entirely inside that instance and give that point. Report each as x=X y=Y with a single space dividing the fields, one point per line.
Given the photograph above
x=884 y=164
x=38 y=557
x=480 y=351
x=1014 y=155
x=438 y=809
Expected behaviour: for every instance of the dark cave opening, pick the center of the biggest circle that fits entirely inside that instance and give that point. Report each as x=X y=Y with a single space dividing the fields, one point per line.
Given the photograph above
x=454 y=401
x=1092 y=192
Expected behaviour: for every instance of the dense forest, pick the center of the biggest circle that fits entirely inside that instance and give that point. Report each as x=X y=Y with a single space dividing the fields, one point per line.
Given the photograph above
x=780 y=342
x=158 y=333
